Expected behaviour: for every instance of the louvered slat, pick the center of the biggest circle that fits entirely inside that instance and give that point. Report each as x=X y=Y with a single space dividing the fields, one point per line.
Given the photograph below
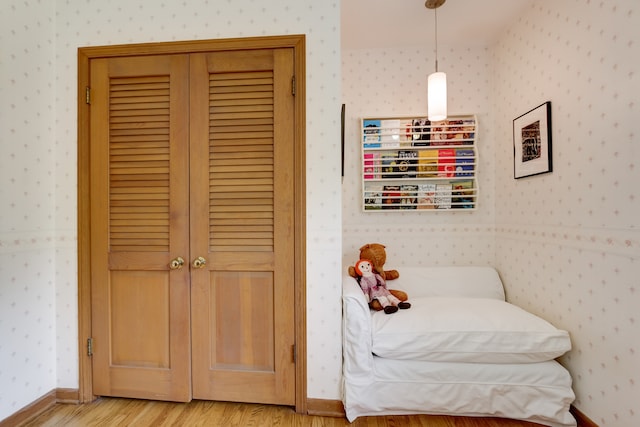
x=139 y=164
x=241 y=164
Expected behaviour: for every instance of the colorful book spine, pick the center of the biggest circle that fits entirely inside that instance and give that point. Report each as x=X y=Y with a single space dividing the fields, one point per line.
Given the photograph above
x=373 y=197
x=407 y=162
x=369 y=167
x=391 y=197
x=389 y=165
x=446 y=162
x=421 y=132
x=464 y=162
x=428 y=163
x=371 y=133
x=427 y=196
x=409 y=194
x=443 y=196
x=463 y=195
x=390 y=133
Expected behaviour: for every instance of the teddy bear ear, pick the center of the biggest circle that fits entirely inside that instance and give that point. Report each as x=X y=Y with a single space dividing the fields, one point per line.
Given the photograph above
x=365 y=246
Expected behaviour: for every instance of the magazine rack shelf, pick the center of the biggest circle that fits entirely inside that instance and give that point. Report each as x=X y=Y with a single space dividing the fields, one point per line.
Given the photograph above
x=410 y=163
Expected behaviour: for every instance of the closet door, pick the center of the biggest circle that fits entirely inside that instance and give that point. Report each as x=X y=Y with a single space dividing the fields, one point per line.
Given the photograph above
x=242 y=226
x=139 y=227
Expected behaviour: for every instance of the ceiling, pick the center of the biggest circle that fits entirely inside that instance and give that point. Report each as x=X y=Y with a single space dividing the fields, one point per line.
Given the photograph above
x=395 y=23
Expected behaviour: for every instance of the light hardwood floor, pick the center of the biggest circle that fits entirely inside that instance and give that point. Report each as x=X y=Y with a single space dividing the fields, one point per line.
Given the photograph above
x=141 y=413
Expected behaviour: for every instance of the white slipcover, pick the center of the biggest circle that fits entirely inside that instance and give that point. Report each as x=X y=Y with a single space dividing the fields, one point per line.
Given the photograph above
x=372 y=385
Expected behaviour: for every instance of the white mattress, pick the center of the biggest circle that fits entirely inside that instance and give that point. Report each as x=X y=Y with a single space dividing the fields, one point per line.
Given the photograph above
x=473 y=330
x=537 y=392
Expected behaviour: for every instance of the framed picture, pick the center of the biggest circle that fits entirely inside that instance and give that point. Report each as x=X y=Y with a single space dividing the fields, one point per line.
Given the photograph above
x=532 y=142
x=342 y=138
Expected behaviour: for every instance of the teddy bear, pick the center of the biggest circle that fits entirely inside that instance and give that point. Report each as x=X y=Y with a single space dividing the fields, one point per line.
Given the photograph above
x=375 y=288
x=376 y=253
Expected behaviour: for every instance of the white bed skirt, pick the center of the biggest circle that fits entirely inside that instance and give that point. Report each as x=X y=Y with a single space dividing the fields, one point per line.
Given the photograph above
x=536 y=392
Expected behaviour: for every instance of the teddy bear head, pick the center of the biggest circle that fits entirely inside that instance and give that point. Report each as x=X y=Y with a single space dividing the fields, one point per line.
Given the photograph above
x=375 y=252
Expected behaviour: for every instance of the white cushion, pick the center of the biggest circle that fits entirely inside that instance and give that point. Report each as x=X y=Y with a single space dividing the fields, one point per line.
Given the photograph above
x=459 y=281
x=483 y=330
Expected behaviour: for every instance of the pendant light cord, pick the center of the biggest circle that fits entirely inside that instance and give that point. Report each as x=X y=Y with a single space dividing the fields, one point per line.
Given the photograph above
x=435 y=14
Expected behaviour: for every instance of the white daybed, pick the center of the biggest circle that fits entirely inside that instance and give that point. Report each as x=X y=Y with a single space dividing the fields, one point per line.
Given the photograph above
x=460 y=349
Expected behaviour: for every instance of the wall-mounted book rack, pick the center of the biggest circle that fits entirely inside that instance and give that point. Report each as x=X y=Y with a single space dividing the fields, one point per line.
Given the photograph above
x=410 y=163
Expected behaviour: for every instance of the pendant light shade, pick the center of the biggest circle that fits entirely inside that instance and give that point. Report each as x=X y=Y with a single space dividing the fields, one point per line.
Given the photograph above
x=437 y=83
x=437 y=96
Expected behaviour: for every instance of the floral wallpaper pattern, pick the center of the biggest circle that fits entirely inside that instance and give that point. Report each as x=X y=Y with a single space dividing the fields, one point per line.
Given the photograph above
x=38 y=220
x=567 y=243
x=395 y=85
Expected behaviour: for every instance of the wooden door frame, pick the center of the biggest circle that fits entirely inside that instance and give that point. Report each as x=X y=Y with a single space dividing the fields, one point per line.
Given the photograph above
x=85 y=55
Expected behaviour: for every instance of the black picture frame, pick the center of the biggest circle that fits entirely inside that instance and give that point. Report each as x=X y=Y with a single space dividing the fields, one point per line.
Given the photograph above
x=532 y=142
x=342 y=118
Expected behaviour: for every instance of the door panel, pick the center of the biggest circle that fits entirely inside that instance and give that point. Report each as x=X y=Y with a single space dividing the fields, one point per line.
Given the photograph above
x=140 y=333
x=242 y=223
x=241 y=331
x=139 y=190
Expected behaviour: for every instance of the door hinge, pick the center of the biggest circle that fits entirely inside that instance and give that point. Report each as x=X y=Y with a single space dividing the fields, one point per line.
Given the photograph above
x=293 y=85
x=293 y=353
x=87 y=95
x=89 y=346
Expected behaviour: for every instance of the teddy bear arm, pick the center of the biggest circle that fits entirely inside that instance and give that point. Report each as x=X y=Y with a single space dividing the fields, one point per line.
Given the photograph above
x=391 y=274
x=352 y=272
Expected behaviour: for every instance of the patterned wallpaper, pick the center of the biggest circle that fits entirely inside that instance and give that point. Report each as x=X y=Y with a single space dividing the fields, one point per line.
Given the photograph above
x=393 y=82
x=27 y=212
x=38 y=284
x=567 y=244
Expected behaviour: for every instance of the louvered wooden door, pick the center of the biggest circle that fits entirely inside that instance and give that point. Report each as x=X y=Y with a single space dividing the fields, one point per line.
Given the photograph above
x=192 y=223
x=139 y=223
x=242 y=224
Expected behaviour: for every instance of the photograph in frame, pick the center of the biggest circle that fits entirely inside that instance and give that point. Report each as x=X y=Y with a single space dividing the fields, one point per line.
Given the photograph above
x=532 y=142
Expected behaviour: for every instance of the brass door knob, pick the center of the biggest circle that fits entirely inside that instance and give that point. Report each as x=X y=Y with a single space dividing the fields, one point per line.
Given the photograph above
x=176 y=263
x=199 y=262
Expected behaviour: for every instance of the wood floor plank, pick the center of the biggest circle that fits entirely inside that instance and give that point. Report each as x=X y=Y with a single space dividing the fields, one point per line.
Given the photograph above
x=108 y=412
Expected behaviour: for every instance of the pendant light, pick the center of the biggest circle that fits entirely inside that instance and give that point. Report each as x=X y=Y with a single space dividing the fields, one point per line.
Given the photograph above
x=437 y=82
